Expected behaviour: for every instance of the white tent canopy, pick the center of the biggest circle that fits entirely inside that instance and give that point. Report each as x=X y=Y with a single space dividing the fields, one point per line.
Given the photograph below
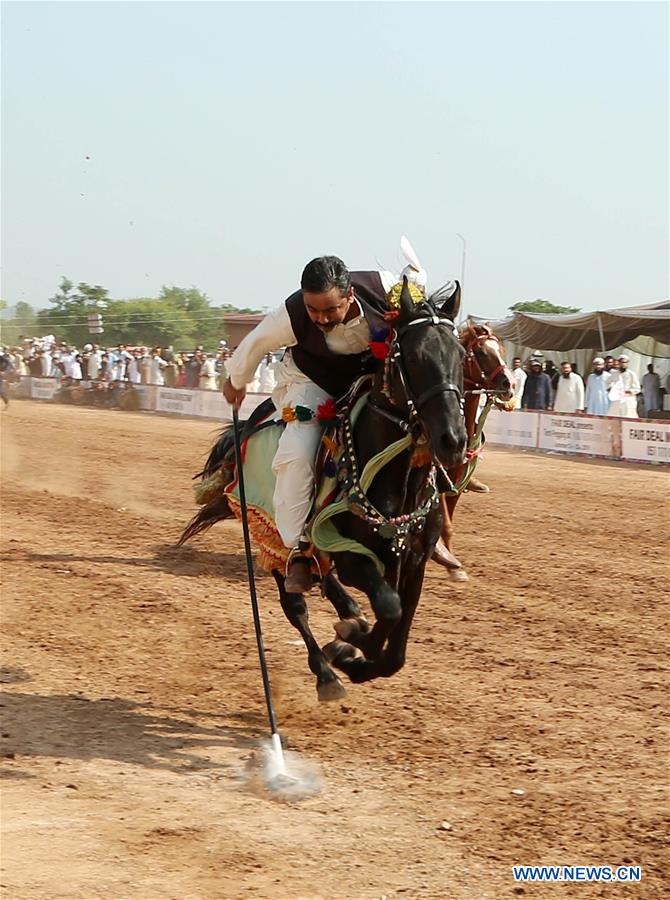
x=601 y=331
x=642 y=332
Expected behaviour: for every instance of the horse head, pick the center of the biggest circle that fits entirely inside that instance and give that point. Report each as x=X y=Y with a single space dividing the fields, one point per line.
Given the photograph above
x=426 y=360
x=485 y=367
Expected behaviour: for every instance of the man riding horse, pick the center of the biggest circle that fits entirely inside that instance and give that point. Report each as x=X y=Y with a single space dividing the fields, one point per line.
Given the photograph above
x=393 y=441
x=327 y=327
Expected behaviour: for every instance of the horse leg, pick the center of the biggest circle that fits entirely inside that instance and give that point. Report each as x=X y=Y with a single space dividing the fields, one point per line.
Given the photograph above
x=351 y=619
x=344 y=604
x=328 y=685
x=359 y=670
x=443 y=553
x=360 y=572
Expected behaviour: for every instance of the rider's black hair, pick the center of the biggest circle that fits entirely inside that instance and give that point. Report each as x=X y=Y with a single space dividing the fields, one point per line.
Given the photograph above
x=324 y=273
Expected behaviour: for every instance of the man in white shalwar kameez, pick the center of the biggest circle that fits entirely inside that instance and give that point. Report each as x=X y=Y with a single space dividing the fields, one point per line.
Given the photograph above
x=597 y=399
x=651 y=390
x=267 y=380
x=134 y=374
x=569 y=396
x=94 y=361
x=520 y=379
x=623 y=388
x=208 y=373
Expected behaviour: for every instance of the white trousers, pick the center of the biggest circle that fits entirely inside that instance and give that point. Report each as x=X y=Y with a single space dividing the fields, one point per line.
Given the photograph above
x=293 y=463
x=624 y=409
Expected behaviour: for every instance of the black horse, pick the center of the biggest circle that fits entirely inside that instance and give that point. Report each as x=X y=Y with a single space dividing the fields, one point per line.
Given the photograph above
x=416 y=393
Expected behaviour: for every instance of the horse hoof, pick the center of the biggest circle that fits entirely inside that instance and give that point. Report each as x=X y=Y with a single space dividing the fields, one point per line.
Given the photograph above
x=444 y=557
x=328 y=691
x=348 y=629
x=339 y=652
x=458 y=575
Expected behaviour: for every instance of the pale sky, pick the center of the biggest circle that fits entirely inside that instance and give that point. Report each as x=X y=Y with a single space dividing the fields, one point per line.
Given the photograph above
x=223 y=145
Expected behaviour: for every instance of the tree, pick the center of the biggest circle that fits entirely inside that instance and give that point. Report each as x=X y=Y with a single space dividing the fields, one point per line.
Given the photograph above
x=180 y=317
x=208 y=320
x=68 y=319
x=542 y=306
x=22 y=322
x=152 y=322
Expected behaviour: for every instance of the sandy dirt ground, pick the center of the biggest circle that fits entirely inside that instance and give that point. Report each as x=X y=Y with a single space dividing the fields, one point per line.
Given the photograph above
x=132 y=696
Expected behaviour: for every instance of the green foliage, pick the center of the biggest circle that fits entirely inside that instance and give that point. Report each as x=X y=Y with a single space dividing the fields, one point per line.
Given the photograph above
x=21 y=322
x=178 y=317
x=542 y=306
x=71 y=306
x=147 y=321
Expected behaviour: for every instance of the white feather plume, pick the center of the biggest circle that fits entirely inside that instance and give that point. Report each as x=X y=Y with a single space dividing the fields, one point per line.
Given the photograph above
x=413 y=270
x=408 y=252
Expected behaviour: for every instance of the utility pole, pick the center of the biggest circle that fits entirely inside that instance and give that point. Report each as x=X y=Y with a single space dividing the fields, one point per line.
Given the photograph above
x=463 y=251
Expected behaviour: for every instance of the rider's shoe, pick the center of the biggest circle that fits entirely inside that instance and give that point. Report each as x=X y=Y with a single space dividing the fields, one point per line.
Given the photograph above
x=478 y=487
x=299 y=576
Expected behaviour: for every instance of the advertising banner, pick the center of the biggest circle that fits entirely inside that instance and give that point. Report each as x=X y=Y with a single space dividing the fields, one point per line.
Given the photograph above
x=251 y=401
x=514 y=429
x=212 y=405
x=43 y=388
x=147 y=395
x=591 y=435
x=647 y=440
x=176 y=400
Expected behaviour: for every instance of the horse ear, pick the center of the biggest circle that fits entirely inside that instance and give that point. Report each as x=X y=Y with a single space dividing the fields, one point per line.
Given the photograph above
x=406 y=302
x=448 y=300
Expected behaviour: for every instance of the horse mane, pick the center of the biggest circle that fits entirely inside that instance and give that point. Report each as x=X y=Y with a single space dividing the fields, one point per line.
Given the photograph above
x=443 y=293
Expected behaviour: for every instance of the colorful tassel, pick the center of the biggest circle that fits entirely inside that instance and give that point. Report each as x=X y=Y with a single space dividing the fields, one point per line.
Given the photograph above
x=330 y=444
x=303 y=413
x=379 y=349
x=379 y=333
x=326 y=412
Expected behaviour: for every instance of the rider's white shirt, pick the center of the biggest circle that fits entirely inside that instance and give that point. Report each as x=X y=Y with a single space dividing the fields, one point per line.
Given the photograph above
x=276 y=331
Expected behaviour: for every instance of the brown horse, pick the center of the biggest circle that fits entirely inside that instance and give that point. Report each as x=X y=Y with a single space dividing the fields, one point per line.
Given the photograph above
x=485 y=372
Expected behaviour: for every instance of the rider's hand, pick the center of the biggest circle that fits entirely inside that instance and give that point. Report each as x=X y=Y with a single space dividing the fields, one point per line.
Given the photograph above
x=232 y=395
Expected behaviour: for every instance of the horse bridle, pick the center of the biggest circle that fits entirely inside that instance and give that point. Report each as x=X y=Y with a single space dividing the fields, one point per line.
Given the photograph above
x=394 y=360
x=481 y=382
x=398 y=528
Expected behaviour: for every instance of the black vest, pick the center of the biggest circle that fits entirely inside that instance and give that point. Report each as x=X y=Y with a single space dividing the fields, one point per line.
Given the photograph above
x=335 y=372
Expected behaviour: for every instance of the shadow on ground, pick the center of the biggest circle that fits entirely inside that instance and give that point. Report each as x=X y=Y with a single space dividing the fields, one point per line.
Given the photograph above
x=182 y=561
x=69 y=726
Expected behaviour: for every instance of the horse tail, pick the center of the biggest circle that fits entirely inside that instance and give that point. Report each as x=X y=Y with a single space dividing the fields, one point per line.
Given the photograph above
x=217 y=455
x=217 y=472
x=217 y=509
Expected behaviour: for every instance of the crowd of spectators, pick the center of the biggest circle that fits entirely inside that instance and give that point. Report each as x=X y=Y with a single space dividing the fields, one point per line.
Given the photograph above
x=611 y=389
x=103 y=371
x=101 y=376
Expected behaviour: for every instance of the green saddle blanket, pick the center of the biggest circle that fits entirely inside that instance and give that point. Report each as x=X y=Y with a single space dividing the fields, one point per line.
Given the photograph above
x=258 y=451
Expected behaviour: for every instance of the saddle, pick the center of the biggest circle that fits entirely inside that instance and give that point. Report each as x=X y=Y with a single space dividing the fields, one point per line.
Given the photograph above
x=260 y=436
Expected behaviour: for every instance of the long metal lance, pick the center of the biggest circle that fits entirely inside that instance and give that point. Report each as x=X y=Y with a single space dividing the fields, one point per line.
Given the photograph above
x=276 y=740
